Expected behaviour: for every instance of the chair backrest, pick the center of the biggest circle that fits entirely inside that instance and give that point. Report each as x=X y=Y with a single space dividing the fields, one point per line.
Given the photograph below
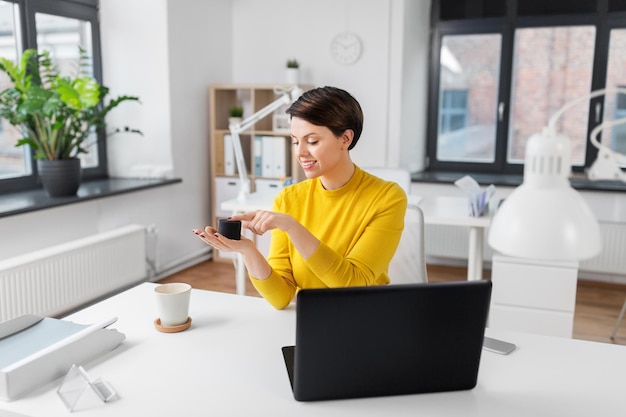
x=398 y=175
x=408 y=265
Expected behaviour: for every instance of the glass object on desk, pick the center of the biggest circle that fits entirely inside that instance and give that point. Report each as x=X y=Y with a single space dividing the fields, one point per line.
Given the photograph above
x=77 y=384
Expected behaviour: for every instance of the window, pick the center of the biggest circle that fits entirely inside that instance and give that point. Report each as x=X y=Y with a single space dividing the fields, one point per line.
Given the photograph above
x=618 y=138
x=14 y=162
x=615 y=104
x=468 y=97
x=62 y=36
x=61 y=27
x=453 y=110
x=499 y=73
x=551 y=66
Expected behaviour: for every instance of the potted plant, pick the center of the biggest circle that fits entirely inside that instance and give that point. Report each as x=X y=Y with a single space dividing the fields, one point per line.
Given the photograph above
x=235 y=114
x=55 y=114
x=292 y=71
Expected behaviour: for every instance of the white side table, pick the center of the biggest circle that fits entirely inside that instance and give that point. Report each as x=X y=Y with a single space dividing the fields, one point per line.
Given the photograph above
x=534 y=296
x=453 y=211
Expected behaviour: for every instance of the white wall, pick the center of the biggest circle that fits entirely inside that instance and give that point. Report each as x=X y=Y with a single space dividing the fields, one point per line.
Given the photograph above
x=266 y=33
x=165 y=52
x=168 y=52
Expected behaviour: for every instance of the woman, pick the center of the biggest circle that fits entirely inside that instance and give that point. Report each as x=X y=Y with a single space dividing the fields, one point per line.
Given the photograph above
x=340 y=227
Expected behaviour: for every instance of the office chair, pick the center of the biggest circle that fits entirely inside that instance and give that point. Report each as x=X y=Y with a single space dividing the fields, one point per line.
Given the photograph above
x=408 y=265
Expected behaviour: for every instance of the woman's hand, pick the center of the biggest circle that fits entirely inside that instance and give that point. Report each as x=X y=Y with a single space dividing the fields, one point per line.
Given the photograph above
x=259 y=222
x=211 y=237
x=255 y=263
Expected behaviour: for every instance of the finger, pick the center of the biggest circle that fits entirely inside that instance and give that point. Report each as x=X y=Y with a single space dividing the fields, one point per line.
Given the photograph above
x=244 y=216
x=253 y=226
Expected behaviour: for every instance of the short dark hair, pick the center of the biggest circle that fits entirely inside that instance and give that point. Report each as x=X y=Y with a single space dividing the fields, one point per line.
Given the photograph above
x=331 y=107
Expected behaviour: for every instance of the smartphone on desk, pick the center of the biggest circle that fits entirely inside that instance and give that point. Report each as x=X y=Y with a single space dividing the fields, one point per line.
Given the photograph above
x=498 y=346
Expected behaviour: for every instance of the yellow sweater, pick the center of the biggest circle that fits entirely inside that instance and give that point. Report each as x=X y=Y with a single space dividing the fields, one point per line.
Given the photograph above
x=359 y=227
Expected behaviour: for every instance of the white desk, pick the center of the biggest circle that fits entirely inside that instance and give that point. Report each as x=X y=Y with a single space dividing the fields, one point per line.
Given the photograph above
x=453 y=211
x=229 y=363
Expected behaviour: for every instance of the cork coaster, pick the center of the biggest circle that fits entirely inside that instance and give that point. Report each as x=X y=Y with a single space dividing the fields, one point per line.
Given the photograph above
x=172 y=329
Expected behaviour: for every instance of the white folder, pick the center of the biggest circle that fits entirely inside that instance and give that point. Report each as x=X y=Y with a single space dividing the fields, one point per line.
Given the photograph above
x=229 y=156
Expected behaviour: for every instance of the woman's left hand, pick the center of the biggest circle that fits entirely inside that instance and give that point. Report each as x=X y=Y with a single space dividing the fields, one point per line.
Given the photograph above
x=211 y=237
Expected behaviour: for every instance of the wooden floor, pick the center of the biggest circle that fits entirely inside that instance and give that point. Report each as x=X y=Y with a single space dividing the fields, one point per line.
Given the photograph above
x=597 y=304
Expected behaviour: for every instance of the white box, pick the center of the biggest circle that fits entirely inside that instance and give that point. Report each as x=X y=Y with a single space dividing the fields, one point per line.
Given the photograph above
x=268 y=186
x=226 y=188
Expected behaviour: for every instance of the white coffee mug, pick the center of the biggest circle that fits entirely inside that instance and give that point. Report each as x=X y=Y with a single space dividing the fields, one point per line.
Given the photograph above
x=173 y=303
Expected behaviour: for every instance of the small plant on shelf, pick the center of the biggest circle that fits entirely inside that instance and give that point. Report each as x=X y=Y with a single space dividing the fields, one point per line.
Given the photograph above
x=293 y=63
x=235 y=111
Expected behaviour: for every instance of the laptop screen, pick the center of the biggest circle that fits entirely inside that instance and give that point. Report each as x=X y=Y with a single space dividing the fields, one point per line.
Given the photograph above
x=387 y=340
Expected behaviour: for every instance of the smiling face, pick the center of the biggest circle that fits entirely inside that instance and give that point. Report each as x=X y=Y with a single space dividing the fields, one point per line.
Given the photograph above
x=321 y=153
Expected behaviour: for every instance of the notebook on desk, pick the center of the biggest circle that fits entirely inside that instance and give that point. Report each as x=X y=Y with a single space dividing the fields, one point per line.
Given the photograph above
x=387 y=340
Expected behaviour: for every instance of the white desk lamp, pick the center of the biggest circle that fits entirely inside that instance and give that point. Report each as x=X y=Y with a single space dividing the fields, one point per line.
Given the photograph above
x=545 y=218
x=546 y=227
x=289 y=95
x=607 y=164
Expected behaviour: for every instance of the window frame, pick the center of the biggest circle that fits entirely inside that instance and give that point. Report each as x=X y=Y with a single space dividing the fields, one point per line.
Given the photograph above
x=506 y=26
x=86 y=10
x=466 y=27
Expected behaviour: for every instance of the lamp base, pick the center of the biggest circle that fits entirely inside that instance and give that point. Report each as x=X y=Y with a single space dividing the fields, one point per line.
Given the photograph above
x=606 y=167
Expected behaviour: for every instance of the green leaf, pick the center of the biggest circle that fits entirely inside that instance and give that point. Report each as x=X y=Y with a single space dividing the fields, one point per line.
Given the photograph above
x=81 y=94
x=35 y=100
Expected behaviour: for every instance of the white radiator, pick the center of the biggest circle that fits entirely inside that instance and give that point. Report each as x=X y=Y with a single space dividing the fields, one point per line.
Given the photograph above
x=451 y=243
x=55 y=280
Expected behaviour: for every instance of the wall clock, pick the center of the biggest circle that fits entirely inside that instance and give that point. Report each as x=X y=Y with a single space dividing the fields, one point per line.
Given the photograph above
x=346 y=48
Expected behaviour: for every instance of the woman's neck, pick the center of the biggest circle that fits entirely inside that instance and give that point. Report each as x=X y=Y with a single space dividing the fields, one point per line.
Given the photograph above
x=339 y=177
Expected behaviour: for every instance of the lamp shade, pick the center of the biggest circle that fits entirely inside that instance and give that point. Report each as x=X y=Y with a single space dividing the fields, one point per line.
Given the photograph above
x=545 y=218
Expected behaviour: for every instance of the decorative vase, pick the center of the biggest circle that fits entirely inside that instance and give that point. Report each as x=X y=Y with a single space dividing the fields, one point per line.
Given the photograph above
x=234 y=120
x=60 y=177
x=293 y=75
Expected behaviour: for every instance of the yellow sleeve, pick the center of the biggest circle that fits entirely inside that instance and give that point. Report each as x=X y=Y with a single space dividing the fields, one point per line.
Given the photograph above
x=280 y=288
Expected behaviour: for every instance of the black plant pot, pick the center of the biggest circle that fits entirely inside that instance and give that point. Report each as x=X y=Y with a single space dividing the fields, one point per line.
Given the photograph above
x=60 y=177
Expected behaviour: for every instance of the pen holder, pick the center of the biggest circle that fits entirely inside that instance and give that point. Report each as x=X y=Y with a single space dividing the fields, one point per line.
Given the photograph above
x=229 y=228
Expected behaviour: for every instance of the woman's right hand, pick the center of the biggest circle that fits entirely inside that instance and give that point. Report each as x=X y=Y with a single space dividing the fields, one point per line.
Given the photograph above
x=261 y=221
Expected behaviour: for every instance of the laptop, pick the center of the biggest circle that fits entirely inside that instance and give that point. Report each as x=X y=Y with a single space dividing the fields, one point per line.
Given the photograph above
x=387 y=340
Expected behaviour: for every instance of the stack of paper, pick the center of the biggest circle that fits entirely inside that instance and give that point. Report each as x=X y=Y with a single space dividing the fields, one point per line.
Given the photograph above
x=477 y=199
x=36 y=350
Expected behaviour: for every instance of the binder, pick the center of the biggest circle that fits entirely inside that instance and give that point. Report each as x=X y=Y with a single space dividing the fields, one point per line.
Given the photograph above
x=229 y=156
x=267 y=169
x=258 y=156
x=279 y=157
x=36 y=350
x=274 y=157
